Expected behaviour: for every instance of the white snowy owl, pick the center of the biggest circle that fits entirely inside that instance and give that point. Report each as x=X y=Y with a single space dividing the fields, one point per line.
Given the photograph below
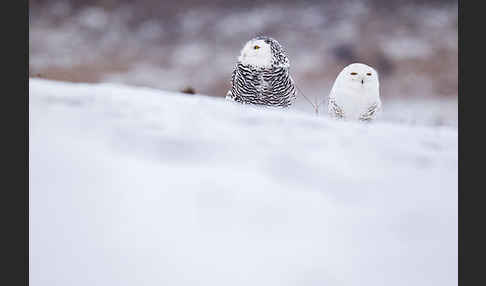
x=261 y=75
x=355 y=94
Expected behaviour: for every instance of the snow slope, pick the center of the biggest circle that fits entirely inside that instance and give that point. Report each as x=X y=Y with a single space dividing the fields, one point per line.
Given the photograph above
x=136 y=186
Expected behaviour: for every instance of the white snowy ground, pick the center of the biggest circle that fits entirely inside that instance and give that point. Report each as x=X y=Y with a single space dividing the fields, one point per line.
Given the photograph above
x=135 y=186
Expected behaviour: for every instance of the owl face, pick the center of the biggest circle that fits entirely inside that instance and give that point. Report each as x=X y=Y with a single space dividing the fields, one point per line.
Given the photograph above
x=263 y=52
x=359 y=75
x=257 y=53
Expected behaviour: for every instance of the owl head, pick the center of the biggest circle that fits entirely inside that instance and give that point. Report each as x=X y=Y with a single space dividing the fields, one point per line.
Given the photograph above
x=358 y=75
x=263 y=52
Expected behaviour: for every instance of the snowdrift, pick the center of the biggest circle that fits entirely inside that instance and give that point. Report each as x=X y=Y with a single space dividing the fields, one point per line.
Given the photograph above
x=136 y=186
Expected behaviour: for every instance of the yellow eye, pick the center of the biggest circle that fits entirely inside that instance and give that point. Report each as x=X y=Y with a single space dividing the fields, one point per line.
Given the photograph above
x=353 y=73
x=256 y=47
x=368 y=74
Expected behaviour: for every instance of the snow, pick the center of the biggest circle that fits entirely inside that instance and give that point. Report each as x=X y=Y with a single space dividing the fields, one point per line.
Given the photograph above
x=138 y=186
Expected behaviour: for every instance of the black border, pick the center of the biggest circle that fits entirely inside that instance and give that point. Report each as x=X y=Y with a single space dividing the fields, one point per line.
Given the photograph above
x=26 y=126
x=471 y=109
x=460 y=246
x=14 y=187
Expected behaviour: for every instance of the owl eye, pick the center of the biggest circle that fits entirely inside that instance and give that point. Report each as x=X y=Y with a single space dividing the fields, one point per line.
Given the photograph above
x=256 y=47
x=368 y=74
x=354 y=73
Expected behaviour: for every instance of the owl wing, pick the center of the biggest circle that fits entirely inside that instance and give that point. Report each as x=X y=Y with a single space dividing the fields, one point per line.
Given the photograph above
x=229 y=94
x=333 y=109
x=277 y=87
x=370 y=114
x=293 y=86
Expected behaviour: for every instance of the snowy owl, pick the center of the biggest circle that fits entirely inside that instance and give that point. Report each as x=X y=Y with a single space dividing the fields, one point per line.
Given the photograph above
x=261 y=75
x=355 y=94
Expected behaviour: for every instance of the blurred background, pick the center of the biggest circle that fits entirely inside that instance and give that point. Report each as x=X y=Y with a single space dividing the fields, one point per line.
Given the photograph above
x=191 y=45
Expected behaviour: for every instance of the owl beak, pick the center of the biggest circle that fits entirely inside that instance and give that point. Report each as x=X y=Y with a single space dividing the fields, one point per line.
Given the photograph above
x=362 y=81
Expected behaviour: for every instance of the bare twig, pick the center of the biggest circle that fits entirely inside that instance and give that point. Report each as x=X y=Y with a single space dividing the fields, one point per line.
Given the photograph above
x=321 y=102
x=316 y=107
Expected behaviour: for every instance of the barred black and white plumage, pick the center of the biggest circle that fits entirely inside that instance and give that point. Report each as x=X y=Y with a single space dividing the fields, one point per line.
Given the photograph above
x=334 y=110
x=261 y=75
x=371 y=112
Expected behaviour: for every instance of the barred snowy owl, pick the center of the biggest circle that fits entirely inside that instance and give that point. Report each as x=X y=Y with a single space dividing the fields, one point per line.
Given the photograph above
x=355 y=94
x=261 y=75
